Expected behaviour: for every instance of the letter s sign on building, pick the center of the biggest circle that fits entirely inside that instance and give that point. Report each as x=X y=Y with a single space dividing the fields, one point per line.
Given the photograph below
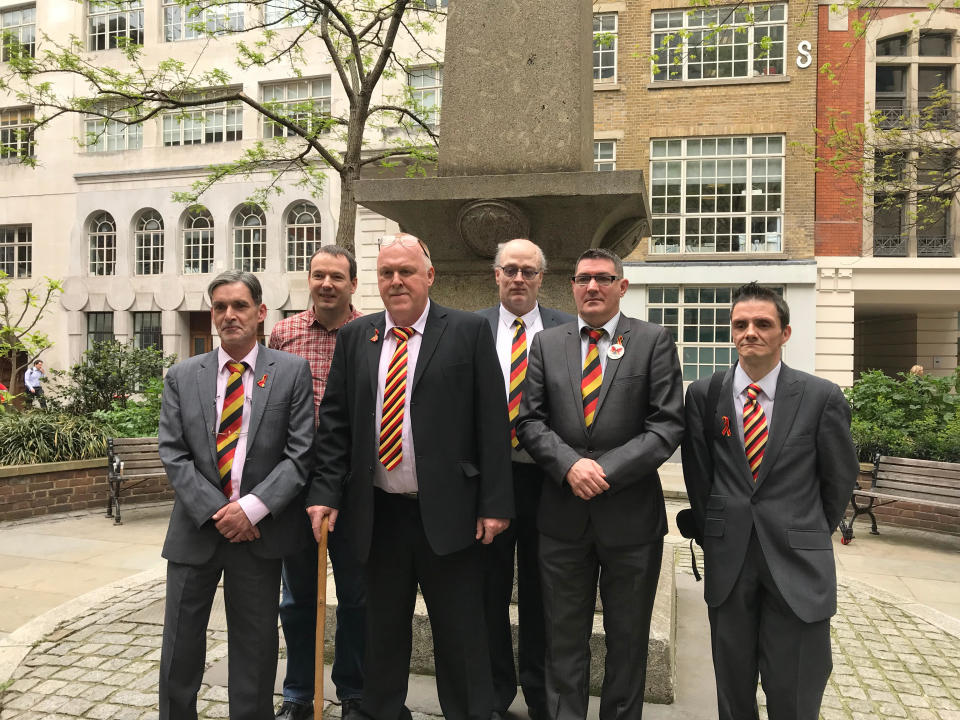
x=803 y=54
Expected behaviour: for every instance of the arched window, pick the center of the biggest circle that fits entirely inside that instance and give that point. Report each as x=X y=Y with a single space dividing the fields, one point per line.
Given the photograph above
x=250 y=239
x=303 y=235
x=148 y=242
x=197 y=241
x=102 y=237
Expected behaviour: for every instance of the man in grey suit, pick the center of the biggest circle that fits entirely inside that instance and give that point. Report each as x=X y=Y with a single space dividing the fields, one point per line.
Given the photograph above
x=519 y=266
x=603 y=409
x=769 y=470
x=236 y=429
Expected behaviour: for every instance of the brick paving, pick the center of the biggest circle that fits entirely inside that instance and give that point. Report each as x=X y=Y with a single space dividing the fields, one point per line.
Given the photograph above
x=888 y=663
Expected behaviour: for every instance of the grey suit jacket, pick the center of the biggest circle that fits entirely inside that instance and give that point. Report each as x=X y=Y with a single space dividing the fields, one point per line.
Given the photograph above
x=808 y=472
x=637 y=426
x=279 y=440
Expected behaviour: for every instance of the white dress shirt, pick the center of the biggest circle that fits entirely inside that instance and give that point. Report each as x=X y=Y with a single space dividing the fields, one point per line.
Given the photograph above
x=603 y=344
x=252 y=506
x=533 y=324
x=768 y=385
x=403 y=478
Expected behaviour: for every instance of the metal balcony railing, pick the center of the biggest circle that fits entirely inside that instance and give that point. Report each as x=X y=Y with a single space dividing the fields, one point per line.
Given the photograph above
x=889 y=245
x=934 y=246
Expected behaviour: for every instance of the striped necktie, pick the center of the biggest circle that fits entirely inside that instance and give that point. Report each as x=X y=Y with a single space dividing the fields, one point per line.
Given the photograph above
x=518 y=371
x=592 y=376
x=394 y=397
x=231 y=420
x=754 y=429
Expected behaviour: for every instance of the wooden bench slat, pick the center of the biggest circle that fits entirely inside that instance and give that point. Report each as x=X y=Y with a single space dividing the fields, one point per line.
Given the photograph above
x=917 y=480
x=148 y=464
x=920 y=472
x=911 y=462
x=922 y=498
x=937 y=492
x=134 y=441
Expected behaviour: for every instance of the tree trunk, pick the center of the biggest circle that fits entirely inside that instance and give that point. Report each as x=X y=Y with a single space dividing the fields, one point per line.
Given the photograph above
x=346 y=229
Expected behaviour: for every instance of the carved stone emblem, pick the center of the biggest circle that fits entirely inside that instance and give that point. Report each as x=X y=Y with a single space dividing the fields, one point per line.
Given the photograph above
x=484 y=224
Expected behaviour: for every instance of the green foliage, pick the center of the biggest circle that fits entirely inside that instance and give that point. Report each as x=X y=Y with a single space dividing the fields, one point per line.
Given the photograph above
x=108 y=374
x=19 y=340
x=140 y=418
x=906 y=416
x=41 y=437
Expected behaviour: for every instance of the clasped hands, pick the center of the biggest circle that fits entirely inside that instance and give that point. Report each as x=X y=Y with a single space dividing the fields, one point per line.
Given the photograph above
x=233 y=523
x=587 y=479
x=487 y=528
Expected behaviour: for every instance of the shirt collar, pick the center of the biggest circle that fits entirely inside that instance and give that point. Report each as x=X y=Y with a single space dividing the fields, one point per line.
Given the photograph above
x=418 y=326
x=768 y=383
x=311 y=319
x=250 y=358
x=507 y=317
x=610 y=326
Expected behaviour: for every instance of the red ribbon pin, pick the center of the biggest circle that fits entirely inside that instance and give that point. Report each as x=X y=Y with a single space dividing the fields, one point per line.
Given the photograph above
x=262 y=381
x=376 y=335
x=725 y=430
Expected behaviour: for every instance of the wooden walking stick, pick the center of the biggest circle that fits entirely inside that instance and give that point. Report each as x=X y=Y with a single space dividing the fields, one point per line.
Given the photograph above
x=321 y=619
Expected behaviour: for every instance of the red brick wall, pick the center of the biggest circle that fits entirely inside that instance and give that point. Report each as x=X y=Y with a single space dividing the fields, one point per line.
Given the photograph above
x=908 y=514
x=78 y=489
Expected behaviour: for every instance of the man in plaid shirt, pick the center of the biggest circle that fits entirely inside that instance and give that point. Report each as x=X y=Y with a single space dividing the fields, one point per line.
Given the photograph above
x=312 y=335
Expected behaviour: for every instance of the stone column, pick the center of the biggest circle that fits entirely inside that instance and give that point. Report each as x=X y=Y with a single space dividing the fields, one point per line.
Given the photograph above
x=835 y=298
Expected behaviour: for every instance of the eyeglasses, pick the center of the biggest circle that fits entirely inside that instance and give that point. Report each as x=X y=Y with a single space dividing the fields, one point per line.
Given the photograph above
x=602 y=280
x=385 y=241
x=511 y=271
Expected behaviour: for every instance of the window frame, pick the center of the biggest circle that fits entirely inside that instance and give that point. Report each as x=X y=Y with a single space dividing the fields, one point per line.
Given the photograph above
x=104 y=333
x=600 y=36
x=132 y=32
x=295 y=234
x=197 y=241
x=224 y=117
x=7 y=31
x=187 y=26
x=16 y=138
x=16 y=251
x=604 y=164
x=150 y=336
x=297 y=109
x=148 y=244
x=431 y=113
x=249 y=240
x=105 y=134
x=101 y=245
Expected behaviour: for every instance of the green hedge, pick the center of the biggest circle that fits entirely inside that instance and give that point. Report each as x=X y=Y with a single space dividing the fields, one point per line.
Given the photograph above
x=40 y=437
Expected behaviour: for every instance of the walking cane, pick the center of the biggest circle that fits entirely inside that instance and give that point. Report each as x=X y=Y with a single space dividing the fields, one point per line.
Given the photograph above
x=321 y=619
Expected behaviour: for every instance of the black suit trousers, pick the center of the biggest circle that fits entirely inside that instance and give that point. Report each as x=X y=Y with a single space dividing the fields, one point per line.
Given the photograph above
x=628 y=577
x=755 y=633
x=400 y=559
x=250 y=593
x=522 y=536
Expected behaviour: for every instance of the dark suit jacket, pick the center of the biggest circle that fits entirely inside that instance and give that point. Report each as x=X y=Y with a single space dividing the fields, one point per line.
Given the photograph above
x=458 y=419
x=808 y=471
x=548 y=316
x=637 y=426
x=279 y=443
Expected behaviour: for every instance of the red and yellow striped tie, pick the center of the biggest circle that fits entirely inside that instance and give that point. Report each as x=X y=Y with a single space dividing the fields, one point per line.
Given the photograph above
x=754 y=430
x=592 y=376
x=231 y=420
x=518 y=371
x=394 y=397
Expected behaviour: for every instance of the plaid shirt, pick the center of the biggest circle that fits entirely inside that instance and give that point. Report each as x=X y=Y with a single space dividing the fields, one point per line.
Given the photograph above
x=303 y=335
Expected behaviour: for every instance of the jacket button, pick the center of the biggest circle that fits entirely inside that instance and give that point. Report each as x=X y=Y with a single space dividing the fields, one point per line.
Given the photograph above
x=754 y=499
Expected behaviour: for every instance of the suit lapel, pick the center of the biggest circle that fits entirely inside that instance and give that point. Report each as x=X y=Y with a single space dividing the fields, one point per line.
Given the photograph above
x=436 y=323
x=726 y=409
x=259 y=395
x=575 y=370
x=207 y=385
x=613 y=364
x=377 y=324
x=786 y=402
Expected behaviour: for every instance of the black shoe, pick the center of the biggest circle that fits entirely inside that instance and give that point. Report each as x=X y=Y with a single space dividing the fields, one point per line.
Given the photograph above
x=350 y=709
x=294 y=711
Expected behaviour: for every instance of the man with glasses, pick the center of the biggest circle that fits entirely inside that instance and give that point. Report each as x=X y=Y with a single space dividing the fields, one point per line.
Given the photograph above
x=518 y=269
x=602 y=410
x=413 y=443
x=312 y=334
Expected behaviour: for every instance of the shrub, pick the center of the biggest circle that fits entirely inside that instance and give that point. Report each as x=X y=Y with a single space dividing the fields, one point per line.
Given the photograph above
x=40 y=437
x=906 y=416
x=140 y=418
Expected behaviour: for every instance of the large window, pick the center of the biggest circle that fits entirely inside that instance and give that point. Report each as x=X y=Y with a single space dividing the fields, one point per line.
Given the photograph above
x=16 y=251
x=102 y=241
x=187 y=22
x=197 y=241
x=148 y=241
x=426 y=91
x=16 y=135
x=19 y=29
x=250 y=239
x=721 y=42
x=303 y=235
x=605 y=47
x=717 y=195
x=305 y=102
x=216 y=122
x=914 y=80
x=285 y=12
x=99 y=328
x=698 y=319
x=111 y=24
x=146 y=330
x=105 y=134
x=604 y=155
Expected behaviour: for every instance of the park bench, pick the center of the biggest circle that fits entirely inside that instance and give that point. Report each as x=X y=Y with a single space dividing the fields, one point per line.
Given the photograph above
x=130 y=462
x=921 y=481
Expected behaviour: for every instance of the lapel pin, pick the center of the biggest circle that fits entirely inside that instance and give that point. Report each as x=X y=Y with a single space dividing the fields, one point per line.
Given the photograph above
x=262 y=381
x=376 y=335
x=725 y=430
x=615 y=351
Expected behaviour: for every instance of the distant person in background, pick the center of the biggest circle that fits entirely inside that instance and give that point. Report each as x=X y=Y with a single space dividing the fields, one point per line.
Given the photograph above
x=31 y=380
